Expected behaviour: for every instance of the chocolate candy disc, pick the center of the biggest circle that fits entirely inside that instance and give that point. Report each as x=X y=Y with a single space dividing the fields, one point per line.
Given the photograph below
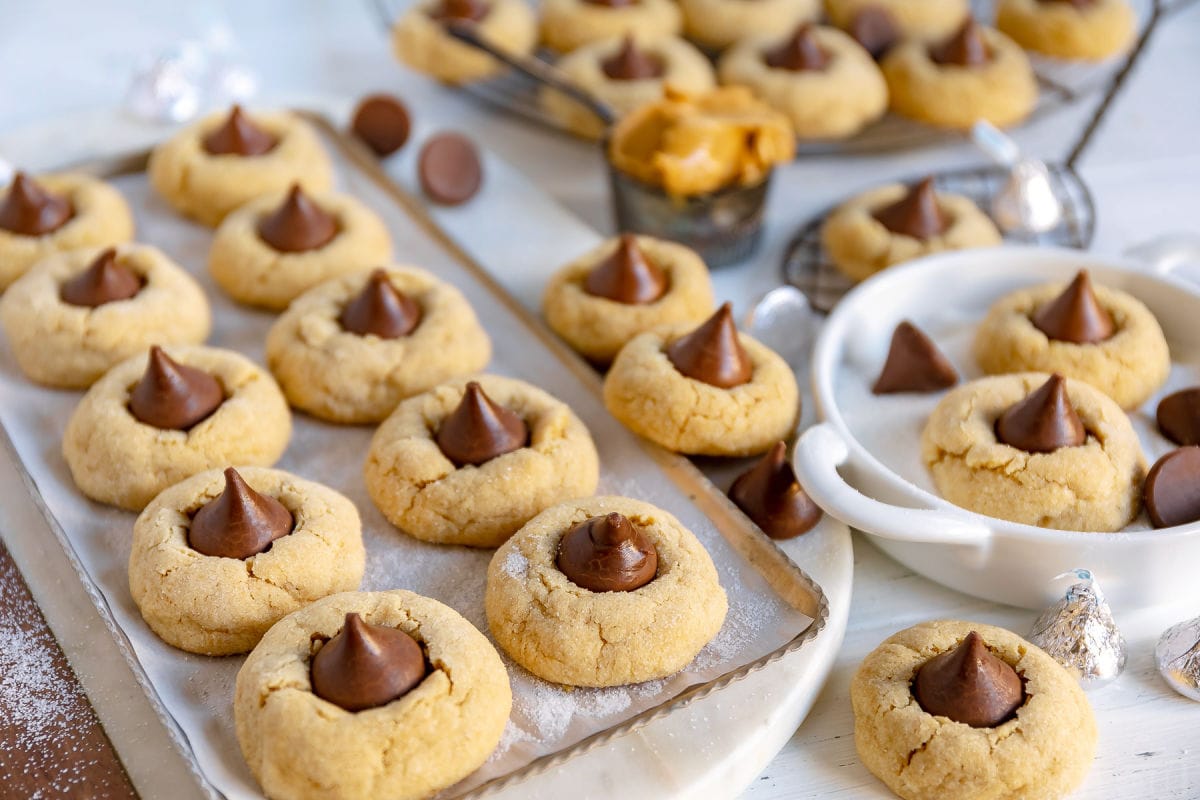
x=298 y=224
x=969 y=685
x=239 y=523
x=383 y=123
x=173 y=396
x=239 y=136
x=1172 y=489
x=478 y=430
x=914 y=364
x=104 y=281
x=1075 y=315
x=30 y=210
x=770 y=495
x=800 y=53
x=366 y=665
x=1042 y=422
x=449 y=169
x=965 y=48
x=627 y=276
x=607 y=554
x=917 y=214
x=712 y=353
x=1179 y=416
x=380 y=309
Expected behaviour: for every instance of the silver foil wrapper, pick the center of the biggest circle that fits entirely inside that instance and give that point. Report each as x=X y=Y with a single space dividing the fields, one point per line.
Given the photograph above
x=1026 y=203
x=1178 y=657
x=1079 y=632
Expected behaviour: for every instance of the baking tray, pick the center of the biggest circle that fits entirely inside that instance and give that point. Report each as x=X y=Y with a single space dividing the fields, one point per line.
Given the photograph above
x=192 y=694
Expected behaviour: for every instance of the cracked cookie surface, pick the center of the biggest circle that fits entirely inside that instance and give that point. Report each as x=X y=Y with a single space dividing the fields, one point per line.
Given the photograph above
x=1094 y=487
x=300 y=746
x=422 y=493
x=568 y=634
x=220 y=606
x=1129 y=366
x=1042 y=753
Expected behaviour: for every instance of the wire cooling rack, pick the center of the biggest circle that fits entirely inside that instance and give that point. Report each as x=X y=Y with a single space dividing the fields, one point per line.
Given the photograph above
x=806 y=265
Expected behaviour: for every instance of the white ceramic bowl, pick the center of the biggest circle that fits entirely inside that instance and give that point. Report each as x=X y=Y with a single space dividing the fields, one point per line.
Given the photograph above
x=862 y=464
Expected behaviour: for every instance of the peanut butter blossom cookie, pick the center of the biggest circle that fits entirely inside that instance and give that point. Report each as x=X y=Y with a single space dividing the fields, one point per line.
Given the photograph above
x=921 y=20
x=420 y=40
x=1036 y=449
x=370 y=696
x=154 y=420
x=717 y=24
x=352 y=348
x=626 y=73
x=1103 y=336
x=219 y=558
x=41 y=217
x=570 y=24
x=279 y=246
x=470 y=462
x=77 y=313
x=894 y=224
x=1073 y=29
x=976 y=73
x=603 y=592
x=625 y=287
x=225 y=160
x=704 y=391
x=821 y=78
x=951 y=710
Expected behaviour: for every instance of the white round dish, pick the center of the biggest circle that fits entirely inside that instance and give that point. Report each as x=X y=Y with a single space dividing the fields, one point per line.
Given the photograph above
x=862 y=463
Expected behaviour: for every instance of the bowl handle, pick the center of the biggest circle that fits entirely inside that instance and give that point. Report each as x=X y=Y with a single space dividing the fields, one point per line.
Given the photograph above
x=819 y=453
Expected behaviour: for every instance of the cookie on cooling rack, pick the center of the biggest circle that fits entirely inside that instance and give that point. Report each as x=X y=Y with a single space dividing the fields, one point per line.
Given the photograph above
x=717 y=24
x=1091 y=31
x=921 y=20
x=420 y=40
x=569 y=24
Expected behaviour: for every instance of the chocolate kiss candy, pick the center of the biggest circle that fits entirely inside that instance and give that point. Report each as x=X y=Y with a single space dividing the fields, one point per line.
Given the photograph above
x=461 y=10
x=875 y=29
x=380 y=309
x=712 y=353
x=632 y=63
x=917 y=214
x=173 y=396
x=1075 y=315
x=1042 y=422
x=627 y=276
x=966 y=48
x=800 y=53
x=770 y=495
x=969 y=685
x=298 y=224
x=1172 y=489
x=914 y=364
x=239 y=523
x=239 y=136
x=1179 y=416
x=104 y=281
x=30 y=210
x=367 y=665
x=607 y=554
x=479 y=430
x=382 y=121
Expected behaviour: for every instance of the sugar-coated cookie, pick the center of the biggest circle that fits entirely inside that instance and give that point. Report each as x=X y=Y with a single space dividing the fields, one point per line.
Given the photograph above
x=568 y=24
x=1091 y=31
x=921 y=20
x=717 y=24
x=420 y=40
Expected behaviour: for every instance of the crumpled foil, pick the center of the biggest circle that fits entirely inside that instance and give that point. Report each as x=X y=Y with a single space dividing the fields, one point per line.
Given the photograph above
x=1079 y=632
x=1178 y=657
x=1026 y=203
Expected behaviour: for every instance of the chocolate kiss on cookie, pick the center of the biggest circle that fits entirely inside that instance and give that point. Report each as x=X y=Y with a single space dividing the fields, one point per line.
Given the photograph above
x=607 y=554
x=239 y=523
x=969 y=685
x=1179 y=416
x=801 y=53
x=460 y=10
x=173 y=396
x=627 y=276
x=366 y=665
x=632 y=63
x=239 y=136
x=104 y=281
x=30 y=210
x=965 y=48
x=1075 y=315
x=1171 y=492
x=380 y=309
x=917 y=214
x=478 y=430
x=875 y=29
x=712 y=353
x=914 y=364
x=770 y=495
x=1042 y=422
x=298 y=224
